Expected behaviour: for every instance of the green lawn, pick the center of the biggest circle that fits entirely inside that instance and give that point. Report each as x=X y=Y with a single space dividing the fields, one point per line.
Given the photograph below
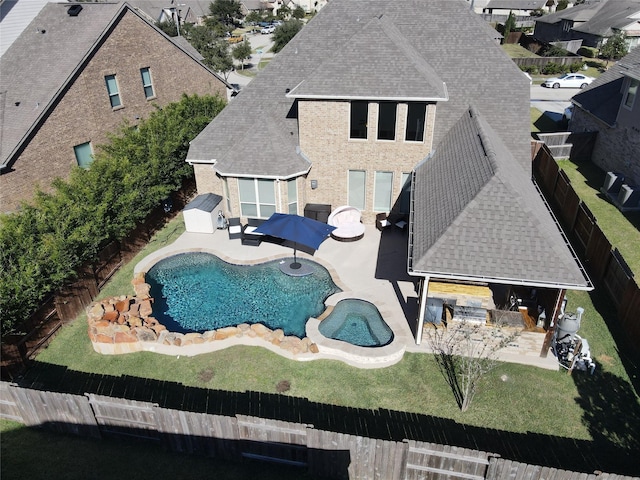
x=513 y=398
x=622 y=230
x=515 y=50
x=41 y=455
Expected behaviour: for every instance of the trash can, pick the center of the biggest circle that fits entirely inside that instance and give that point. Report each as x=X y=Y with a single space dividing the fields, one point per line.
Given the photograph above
x=317 y=211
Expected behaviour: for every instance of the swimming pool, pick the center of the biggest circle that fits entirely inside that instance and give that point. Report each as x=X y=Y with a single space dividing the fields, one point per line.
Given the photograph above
x=196 y=292
x=357 y=322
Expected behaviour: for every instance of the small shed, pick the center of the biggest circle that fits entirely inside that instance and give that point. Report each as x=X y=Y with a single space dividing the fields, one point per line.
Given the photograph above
x=201 y=214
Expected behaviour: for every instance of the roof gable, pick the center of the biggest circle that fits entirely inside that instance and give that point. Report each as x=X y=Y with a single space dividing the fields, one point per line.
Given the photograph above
x=477 y=215
x=345 y=76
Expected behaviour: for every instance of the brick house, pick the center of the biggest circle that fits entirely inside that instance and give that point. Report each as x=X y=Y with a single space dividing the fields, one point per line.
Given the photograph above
x=73 y=76
x=610 y=107
x=368 y=106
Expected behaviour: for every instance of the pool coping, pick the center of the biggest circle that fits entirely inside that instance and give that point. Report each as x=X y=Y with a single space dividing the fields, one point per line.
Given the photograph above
x=327 y=348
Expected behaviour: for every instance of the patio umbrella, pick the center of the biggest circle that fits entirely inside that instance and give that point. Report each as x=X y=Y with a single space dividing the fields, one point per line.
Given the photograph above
x=296 y=229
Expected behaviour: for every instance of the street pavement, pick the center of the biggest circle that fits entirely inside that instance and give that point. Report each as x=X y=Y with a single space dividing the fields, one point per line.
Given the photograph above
x=552 y=101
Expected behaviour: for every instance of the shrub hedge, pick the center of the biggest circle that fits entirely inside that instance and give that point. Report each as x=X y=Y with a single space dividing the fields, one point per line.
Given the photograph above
x=44 y=242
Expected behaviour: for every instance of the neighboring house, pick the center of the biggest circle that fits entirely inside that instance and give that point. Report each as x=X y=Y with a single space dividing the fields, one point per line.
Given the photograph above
x=519 y=7
x=593 y=22
x=371 y=94
x=187 y=11
x=307 y=5
x=611 y=107
x=75 y=74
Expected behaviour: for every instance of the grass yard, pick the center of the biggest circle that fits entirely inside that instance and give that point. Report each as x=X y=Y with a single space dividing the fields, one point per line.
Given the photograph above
x=66 y=457
x=541 y=123
x=622 y=229
x=513 y=398
x=515 y=50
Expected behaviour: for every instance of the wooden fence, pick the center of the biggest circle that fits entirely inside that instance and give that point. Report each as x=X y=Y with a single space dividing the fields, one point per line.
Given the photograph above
x=320 y=452
x=606 y=266
x=71 y=300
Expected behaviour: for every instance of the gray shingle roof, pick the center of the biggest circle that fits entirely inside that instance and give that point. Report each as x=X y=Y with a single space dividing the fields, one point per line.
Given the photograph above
x=614 y=14
x=377 y=42
x=580 y=13
x=603 y=96
x=516 y=4
x=473 y=67
x=477 y=214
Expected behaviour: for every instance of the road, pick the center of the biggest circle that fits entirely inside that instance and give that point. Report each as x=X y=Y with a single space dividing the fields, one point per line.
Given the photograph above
x=262 y=45
x=552 y=101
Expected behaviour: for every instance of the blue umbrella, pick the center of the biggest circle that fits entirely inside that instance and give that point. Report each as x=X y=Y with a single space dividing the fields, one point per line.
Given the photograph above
x=296 y=229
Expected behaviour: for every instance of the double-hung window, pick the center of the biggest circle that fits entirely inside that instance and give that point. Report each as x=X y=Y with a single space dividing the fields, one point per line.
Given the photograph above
x=632 y=93
x=112 y=89
x=387 y=120
x=383 y=190
x=416 y=114
x=257 y=197
x=292 y=196
x=359 y=118
x=356 y=188
x=145 y=73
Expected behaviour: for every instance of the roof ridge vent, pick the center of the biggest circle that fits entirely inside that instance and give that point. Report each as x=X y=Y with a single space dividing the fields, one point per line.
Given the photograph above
x=74 y=10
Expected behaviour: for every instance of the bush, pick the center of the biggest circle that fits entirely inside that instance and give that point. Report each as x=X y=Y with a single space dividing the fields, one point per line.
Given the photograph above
x=554 y=68
x=43 y=244
x=531 y=69
x=588 y=52
x=576 y=66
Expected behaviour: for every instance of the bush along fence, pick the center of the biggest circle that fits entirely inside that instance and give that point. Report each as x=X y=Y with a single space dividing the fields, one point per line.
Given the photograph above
x=320 y=452
x=67 y=303
x=606 y=266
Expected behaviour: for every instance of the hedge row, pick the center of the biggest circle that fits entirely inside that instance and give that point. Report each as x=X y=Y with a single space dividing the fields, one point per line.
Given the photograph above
x=42 y=244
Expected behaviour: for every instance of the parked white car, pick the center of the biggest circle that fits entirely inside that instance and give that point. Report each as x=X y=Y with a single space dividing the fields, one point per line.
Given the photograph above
x=568 y=80
x=268 y=30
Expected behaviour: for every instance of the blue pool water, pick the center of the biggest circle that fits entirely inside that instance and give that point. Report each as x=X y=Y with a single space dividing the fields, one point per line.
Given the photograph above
x=196 y=292
x=357 y=322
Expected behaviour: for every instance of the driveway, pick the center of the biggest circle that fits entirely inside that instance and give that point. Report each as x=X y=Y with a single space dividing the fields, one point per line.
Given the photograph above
x=261 y=44
x=552 y=101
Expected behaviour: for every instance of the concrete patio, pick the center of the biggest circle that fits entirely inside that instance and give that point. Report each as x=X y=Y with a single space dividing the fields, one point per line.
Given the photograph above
x=373 y=269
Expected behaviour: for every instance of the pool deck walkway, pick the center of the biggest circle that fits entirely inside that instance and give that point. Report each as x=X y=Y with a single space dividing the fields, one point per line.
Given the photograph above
x=373 y=268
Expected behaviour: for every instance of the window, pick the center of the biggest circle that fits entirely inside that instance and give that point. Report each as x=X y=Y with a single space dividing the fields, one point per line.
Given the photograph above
x=112 y=88
x=357 y=188
x=382 y=191
x=257 y=197
x=225 y=186
x=416 y=113
x=292 y=195
x=146 y=82
x=632 y=91
x=387 y=121
x=84 y=154
x=405 y=193
x=359 y=117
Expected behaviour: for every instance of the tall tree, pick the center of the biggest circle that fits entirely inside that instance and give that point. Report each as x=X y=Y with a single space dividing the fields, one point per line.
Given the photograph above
x=509 y=26
x=284 y=33
x=225 y=11
x=215 y=50
x=615 y=48
x=242 y=52
x=298 y=12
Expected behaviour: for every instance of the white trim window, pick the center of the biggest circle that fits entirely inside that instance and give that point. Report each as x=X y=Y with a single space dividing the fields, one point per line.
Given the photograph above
x=84 y=154
x=147 y=84
x=359 y=116
x=257 y=197
x=416 y=119
x=292 y=196
x=632 y=93
x=387 y=113
x=113 y=91
x=356 y=188
x=382 y=193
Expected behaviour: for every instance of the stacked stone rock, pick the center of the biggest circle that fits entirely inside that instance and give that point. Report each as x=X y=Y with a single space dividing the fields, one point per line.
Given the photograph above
x=128 y=319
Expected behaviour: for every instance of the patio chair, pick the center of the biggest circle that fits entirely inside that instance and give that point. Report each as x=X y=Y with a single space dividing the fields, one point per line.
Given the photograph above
x=382 y=221
x=249 y=236
x=346 y=219
x=234 y=228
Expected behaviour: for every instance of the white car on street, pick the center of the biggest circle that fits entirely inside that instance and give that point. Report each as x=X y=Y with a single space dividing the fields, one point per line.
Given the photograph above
x=268 y=30
x=568 y=80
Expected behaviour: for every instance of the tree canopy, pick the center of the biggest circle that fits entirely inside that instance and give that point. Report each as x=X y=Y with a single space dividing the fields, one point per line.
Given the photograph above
x=45 y=242
x=225 y=11
x=242 y=51
x=284 y=33
x=616 y=47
